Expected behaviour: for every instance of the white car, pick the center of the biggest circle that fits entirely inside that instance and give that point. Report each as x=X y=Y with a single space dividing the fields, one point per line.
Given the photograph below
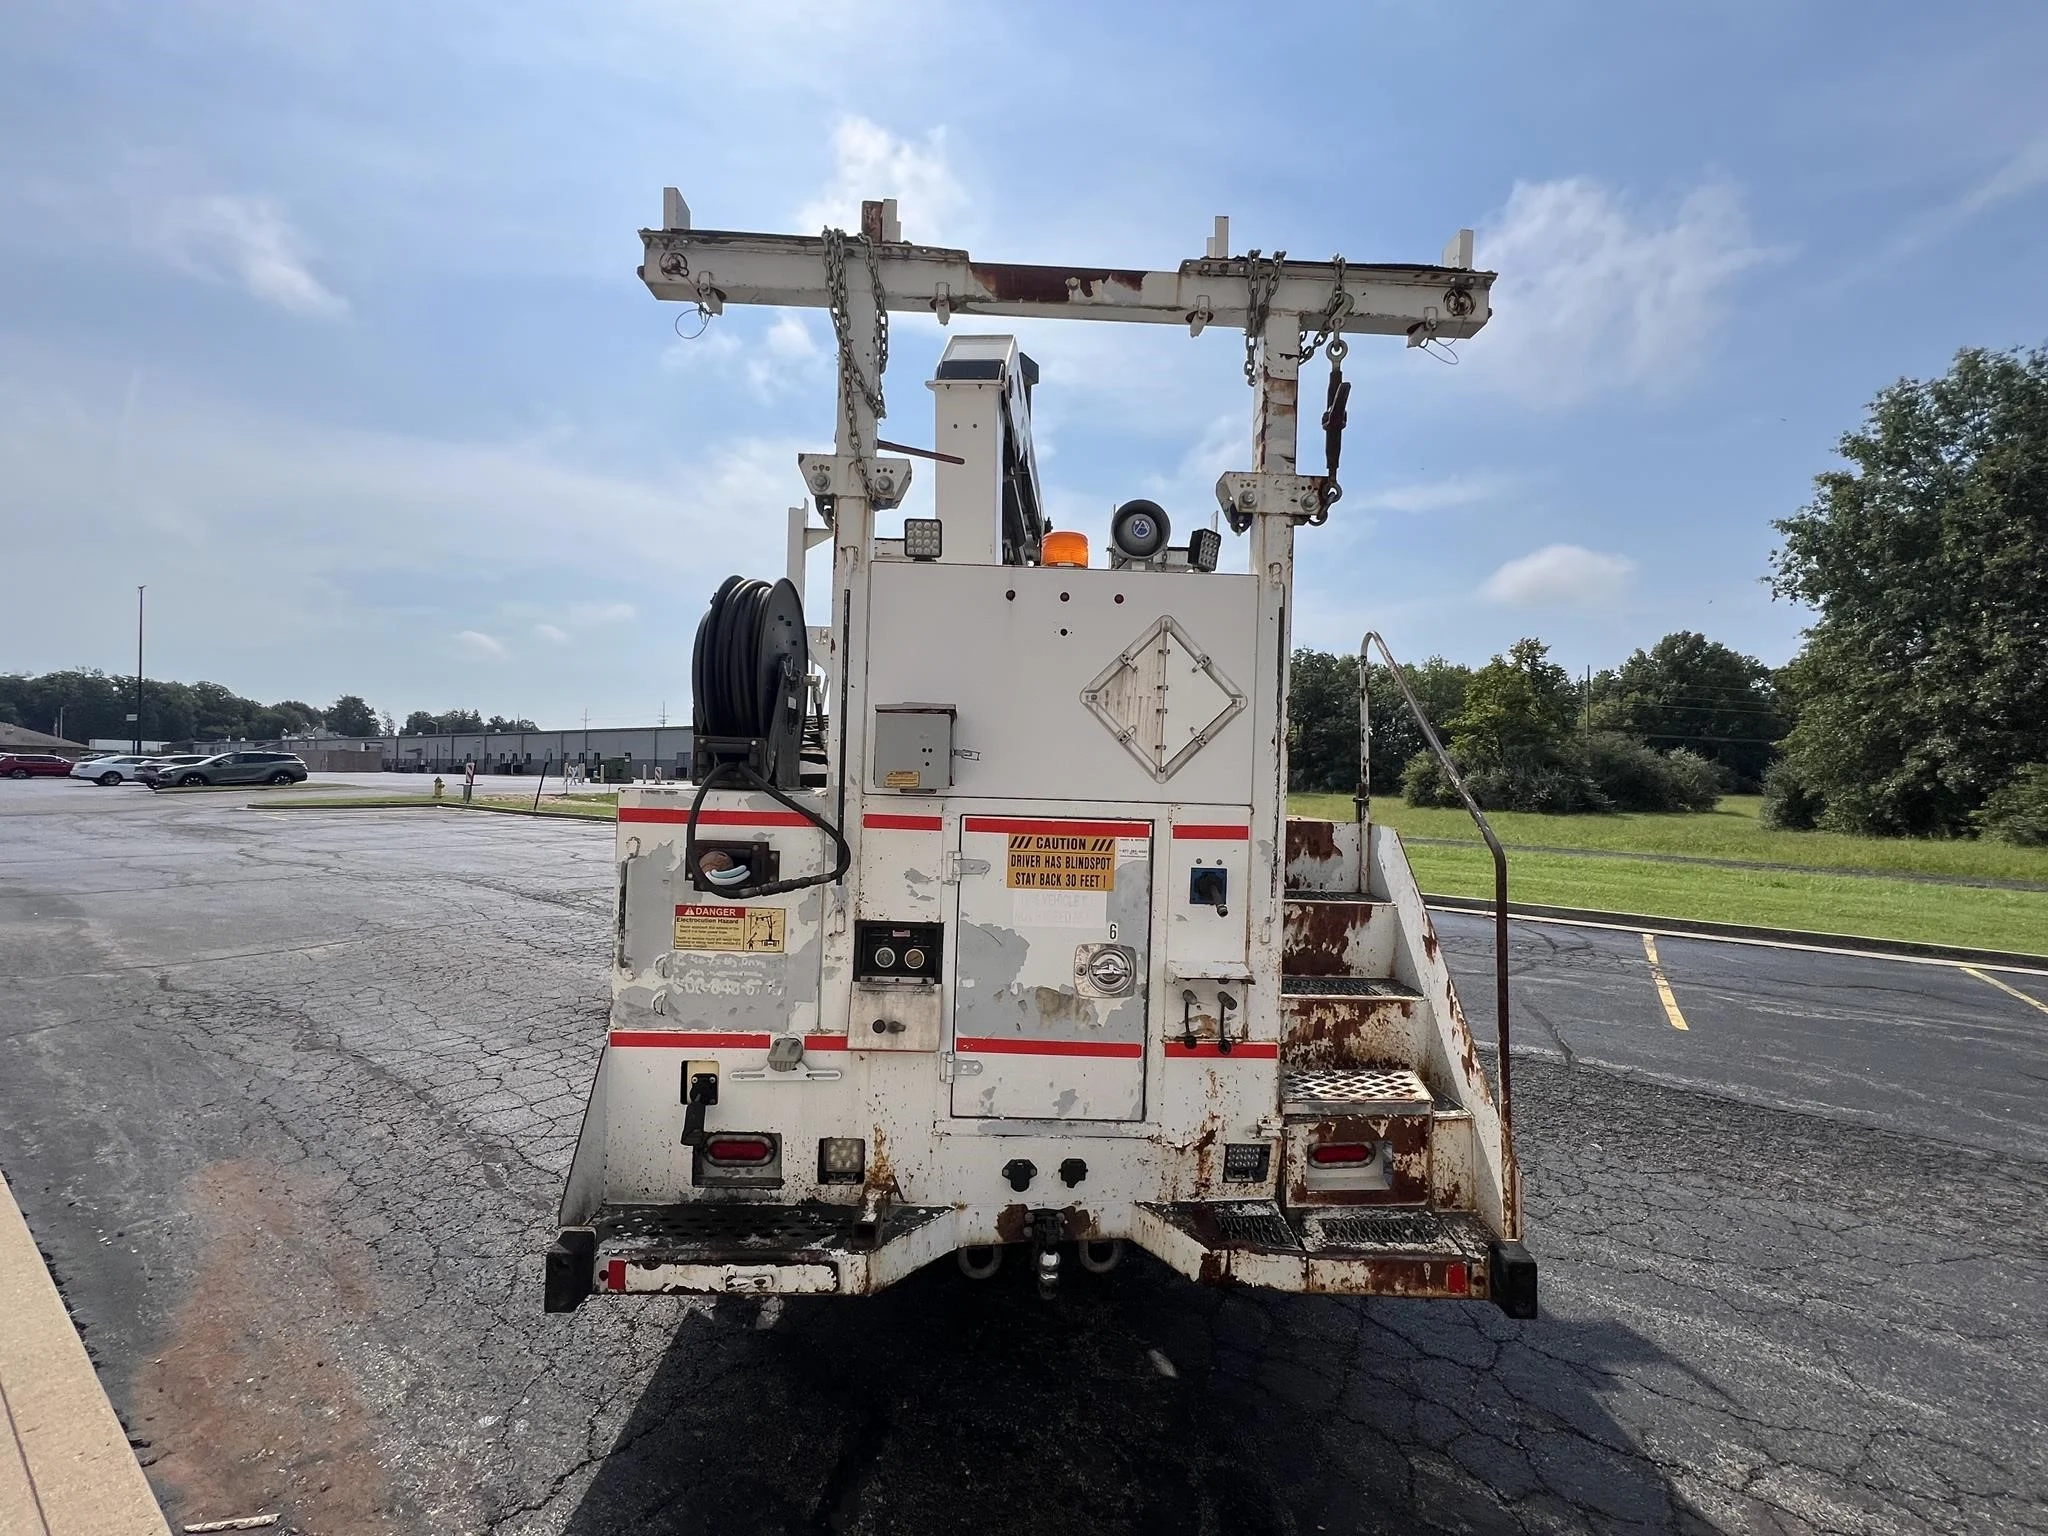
x=110 y=770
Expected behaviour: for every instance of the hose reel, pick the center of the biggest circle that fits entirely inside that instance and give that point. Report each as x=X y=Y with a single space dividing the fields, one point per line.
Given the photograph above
x=749 y=673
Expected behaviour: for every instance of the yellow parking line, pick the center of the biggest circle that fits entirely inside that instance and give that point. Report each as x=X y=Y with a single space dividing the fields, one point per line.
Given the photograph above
x=1663 y=987
x=2032 y=1002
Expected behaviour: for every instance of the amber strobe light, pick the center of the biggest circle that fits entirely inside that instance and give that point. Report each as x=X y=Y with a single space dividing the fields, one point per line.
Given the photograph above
x=1065 y=547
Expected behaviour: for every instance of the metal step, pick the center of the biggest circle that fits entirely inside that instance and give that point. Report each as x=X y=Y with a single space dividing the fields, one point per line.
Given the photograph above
x=1319 y=1091
x=1349 y=1252
x=736 y=1232
x=1345 y=986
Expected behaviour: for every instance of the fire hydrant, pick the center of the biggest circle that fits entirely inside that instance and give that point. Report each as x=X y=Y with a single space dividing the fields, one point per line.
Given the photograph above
x=438 y=786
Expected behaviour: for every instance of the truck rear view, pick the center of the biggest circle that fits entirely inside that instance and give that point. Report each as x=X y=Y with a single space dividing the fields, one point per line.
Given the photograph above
x=982 y=929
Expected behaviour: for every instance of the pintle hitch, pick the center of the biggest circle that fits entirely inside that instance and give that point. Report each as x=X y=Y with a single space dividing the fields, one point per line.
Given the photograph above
x=1047 y=1228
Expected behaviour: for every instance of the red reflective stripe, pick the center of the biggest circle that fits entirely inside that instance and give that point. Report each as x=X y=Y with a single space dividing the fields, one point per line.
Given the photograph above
x=1008 y=1047
x=1060 y=828
x=714 y=818
x=1459 y=1282
x=1213 y=834
x=885 y=822
x=1242 y=1050
x=615 y=1275
x=824 y=1042
x=689 y=1040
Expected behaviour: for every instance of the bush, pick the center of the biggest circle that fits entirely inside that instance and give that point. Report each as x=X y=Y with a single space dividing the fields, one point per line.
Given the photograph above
x=2017 y=812
x=1790 y=803
x=1633 y=777
x=1423 y=782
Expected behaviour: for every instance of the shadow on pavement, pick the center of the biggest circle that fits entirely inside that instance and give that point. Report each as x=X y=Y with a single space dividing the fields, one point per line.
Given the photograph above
x=944 y=1405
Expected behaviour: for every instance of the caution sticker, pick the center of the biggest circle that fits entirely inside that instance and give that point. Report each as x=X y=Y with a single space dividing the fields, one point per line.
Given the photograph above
x=737 y=930
x=1046 y=862
x=902 y=778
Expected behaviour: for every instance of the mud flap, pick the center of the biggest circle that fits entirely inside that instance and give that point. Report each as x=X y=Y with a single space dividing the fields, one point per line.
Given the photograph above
x=571 y=1269
x=1512 y=1278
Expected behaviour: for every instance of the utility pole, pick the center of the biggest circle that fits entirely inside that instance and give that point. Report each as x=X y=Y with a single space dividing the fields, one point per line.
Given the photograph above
x=138 y=669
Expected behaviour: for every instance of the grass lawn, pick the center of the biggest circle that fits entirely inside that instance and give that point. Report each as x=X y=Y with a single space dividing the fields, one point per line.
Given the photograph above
x=1826 y=903
x=1729 y=831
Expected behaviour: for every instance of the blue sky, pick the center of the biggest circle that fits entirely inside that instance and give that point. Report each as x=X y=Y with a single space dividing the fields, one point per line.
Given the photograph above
x=321 y=320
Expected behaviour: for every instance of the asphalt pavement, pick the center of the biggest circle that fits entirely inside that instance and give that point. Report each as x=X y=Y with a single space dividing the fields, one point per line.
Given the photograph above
x=287 y=1099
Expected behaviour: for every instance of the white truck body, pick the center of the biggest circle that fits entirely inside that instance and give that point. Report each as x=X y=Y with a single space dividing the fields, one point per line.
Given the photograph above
x=1082 y=982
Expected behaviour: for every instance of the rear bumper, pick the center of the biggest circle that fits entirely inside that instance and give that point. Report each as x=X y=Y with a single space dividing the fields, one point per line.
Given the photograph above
x=732 y=1248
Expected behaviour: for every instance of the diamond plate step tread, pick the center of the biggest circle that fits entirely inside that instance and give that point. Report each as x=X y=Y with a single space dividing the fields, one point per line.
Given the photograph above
x=1257 y=1226
x=1430 y=1234
x=727 y=1231
x=1353 y=1091
x=1346 y=986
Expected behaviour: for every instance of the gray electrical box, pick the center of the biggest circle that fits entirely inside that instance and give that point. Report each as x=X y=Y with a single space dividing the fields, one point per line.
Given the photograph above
x=913 y=748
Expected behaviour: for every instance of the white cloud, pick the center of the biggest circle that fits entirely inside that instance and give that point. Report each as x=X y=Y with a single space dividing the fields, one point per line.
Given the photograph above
x=1561 y=576
x=1594 y=296
x=871 y=162
x=2023 y=172
x=246 y=240
x=1430 y=495
x=551 y=634
x=583 y=615
x=480 y=647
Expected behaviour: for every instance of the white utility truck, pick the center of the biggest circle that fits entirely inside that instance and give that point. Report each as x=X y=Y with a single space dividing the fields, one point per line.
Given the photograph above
x=983 y=927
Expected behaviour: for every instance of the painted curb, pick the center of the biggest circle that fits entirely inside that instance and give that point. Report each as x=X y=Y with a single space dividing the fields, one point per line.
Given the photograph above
x=66 y=1467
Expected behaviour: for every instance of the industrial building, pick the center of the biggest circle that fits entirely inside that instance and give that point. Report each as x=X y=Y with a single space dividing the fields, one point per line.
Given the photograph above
x=661 y=751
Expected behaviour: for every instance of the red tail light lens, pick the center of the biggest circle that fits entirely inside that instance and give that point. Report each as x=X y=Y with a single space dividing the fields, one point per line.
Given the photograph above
x=1342 y=1154
x=738 y=1149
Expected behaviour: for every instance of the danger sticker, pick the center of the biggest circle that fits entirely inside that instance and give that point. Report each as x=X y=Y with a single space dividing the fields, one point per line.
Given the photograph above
x=1042 y=861
x=740 y=930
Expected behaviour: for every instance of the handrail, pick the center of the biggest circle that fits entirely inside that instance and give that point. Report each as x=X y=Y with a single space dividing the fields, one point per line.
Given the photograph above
x=1510 y=1198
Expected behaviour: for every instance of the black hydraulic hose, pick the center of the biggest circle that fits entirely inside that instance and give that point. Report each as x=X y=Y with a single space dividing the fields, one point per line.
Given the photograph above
x=737 y=693
x=732 y=770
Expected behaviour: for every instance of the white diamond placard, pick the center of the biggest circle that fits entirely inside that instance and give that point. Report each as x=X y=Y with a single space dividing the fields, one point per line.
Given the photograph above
x=1163 y=699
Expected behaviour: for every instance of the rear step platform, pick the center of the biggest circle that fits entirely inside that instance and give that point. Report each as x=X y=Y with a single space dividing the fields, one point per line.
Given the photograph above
x=1346 y=1251
x=747 y=1248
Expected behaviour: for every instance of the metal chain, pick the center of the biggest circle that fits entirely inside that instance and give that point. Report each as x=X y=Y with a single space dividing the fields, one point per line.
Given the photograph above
x=852 y=380
x=1333 y=315
x=1260 y=279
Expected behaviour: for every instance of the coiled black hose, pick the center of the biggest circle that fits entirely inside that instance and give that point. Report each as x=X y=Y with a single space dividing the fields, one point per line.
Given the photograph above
x=747 y=674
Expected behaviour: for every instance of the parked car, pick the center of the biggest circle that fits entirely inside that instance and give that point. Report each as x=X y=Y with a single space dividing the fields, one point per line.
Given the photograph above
x=239 y=768
x=163 y=770
x=119 y=769
x=33 y=765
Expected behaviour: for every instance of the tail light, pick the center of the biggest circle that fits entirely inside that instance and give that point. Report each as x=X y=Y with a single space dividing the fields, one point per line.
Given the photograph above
x=1343 y=1154
x=748 y=1151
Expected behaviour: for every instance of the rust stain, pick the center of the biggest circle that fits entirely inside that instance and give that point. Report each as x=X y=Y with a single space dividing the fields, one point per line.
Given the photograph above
x=1310 y=839
x=1429 y=942
x=247 y=1399
x=1319 y=934
x=1018 y=282
x=1205 y=1150
x=1013 y=1223
x=1348 y=1032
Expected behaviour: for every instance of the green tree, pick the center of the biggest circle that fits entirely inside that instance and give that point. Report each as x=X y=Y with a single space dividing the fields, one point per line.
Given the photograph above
x=1519 y=713
x=1322 y=722
x=1688 y=692
x=506 y=723
x=350 y=715
x=421 y=723
x=1439 y=687
x=1924 y=681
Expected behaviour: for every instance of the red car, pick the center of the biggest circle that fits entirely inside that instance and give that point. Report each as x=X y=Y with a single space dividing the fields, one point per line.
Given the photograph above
x=29 y=765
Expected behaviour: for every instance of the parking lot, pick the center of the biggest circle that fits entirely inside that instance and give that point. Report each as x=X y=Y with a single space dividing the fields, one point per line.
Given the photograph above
x=287 y=1097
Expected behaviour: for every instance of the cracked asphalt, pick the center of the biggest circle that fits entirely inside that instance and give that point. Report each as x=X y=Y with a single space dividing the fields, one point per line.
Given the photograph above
x=287 y=1098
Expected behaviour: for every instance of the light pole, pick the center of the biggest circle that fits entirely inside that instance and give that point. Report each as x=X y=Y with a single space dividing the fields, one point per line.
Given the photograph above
x=138 y=669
